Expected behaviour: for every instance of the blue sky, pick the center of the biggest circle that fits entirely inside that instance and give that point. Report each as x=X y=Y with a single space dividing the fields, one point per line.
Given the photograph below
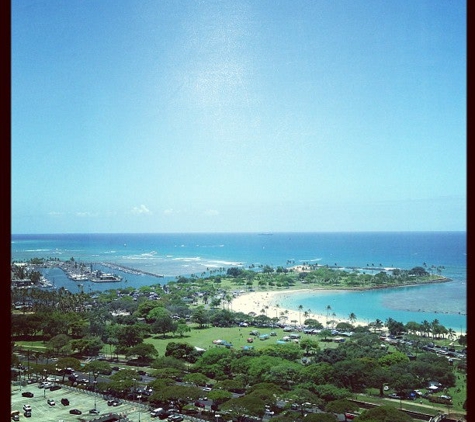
x=231 y=116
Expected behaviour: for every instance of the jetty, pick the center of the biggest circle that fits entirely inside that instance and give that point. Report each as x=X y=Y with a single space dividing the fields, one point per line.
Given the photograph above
x=129 y=270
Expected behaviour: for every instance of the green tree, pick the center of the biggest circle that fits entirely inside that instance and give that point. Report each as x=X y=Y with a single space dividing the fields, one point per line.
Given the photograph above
x=162 y=321
x=329 y=392
x=242 y=407
x=393 y=358
x=181 y=351
x=196 y=379
x=350 y=374
x=98 y=366
x=182 y=328
x=130 y=335
x=309 y=346
x=317 y=373
x=168 y=362
x=319 y=417
x=122 y=381
x=200 y=316
x=219 y=396
x=286 y=374
x=384 y=413
x=54 y=323
x=58 y=343
x=145 y=352
x=178 y=394
x=341 y=406
x=301 y=396
x=87 y=346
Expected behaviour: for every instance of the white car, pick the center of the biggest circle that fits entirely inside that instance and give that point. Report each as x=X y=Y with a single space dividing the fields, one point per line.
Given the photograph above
x=27 y=408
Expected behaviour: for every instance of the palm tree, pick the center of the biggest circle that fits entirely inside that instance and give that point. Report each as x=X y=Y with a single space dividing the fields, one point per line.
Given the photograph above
x=426 y=327
x=300 y=310
x=378 y=324
x=229 y=298
x=451 y=334
x=328 y=308
x=352 y=317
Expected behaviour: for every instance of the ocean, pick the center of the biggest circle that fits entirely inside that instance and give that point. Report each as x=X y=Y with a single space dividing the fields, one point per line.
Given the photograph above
x=172 y=255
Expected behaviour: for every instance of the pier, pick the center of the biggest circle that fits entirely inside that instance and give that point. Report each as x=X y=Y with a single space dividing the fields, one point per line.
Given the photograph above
x=129 y=270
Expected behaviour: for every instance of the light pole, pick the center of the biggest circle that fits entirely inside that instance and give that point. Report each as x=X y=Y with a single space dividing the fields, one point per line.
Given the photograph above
x=19 y=373
x=96 y=374
x=139 y=396
x=44 y=380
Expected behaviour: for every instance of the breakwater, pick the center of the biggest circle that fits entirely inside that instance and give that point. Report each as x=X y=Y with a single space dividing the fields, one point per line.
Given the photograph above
x=129 y=270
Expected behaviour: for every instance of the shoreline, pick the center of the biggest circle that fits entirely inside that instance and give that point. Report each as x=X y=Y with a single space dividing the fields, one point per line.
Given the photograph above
x=269 y=303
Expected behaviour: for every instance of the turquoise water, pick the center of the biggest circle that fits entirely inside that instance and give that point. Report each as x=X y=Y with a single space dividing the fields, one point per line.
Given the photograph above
x=172 y=255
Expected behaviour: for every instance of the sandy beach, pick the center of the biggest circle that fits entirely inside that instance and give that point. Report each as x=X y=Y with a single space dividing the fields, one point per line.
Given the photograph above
x=268 y=303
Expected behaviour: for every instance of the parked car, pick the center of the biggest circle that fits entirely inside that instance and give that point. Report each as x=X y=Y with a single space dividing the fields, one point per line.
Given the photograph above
x=51 y=402
x=65 y=402
x=75 y=412
x=55 y=387
x=175 y=418
x=156 y=412
x=199 y=404
x=27 y=408
x=27 y=414
x=94 y=411
x=27 y=394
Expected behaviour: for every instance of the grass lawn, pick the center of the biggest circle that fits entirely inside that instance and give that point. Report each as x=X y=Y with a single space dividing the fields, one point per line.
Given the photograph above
x=237 y=336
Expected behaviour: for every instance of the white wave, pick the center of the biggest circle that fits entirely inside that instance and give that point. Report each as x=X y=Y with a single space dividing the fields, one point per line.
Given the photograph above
x=37 y=250
x=188 y=259
x=310 y=260
x=221 y=263
x=141 y=257
x=152 y=253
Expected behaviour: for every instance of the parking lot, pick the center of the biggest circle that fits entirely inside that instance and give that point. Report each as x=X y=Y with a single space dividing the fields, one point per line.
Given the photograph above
x=84 y=401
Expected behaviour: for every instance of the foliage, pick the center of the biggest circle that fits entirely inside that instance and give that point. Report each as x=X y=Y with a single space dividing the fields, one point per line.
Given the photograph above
x=176 y=394
x=168 y=362
x=385 y=413
x=329 y=392
x=182 y=351
x=393 y=359
x=143 y=351
x=319 y=417
x=87 y=346
x=200 y=316
x=341 y=406
x=242 y=407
